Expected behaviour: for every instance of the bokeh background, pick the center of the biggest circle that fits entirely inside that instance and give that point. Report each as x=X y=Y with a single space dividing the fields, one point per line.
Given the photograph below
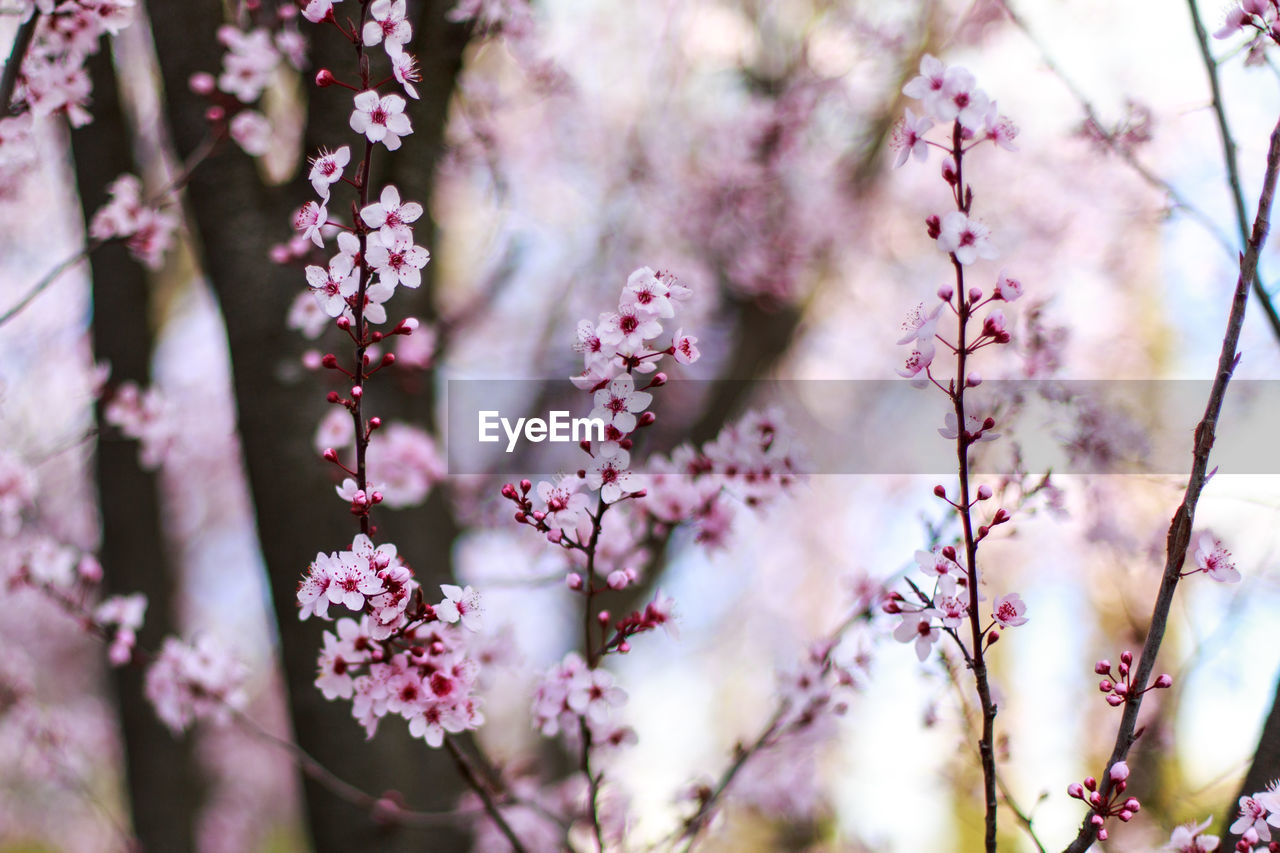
x=744 y=147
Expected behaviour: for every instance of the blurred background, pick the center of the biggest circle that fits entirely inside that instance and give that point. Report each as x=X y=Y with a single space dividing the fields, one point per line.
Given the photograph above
x=743 y=146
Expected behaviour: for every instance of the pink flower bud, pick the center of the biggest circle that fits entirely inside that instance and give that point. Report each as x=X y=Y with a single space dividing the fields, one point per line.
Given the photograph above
x=1102 y=667
x=1119 y=771
x=1115 y=701
x=330 y=454
x=1090 y=783
x=1165 y=680
x=356 y=392
x=554 y=535
x=974 y=379
x=617 y=580
x=975 y=294
x=946 y=292
x=1133 y=805
x=375 y=422
x=603 y=617
x=89 y=569
x=202 y=83
x=934 y=226
x=1106 y=686
x=984 y=492
x=324 y=78
x=574 y=580
x=1126 y=657
x=939 y=491
x=646 y=419
x=1076 y=790
x=624 y=647
x=1102 y=833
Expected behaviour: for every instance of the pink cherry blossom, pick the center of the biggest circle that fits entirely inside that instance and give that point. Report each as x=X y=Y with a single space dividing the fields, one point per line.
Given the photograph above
x=1215 y=560
x=564 y=503
x=627 y=328
x=380 y=119
x=961 y=100
x=617 y=403
x=609 y=474
x=186 y=683
x=686 y=351
x=326 y=169
x=1188 y=839
x=966 y=239
x=309 y=219
x=404 y=67
x=647 y=295
x=1253 y=816
x=920 y=325
x=399 y=262
x=916 y=627
x=317 y=10
x=461 y=604
x=1008 y=610
x=928 y=87
x=908 y=138
x=918 y=360
x=387 y=25
x=251 y=131
x=392 y=218
x=1007 y=288
x=332 y=288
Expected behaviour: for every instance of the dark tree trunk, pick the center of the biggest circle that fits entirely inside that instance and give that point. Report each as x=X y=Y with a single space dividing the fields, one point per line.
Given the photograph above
x=237 y=219
x=160 y=770
x=1263 y=772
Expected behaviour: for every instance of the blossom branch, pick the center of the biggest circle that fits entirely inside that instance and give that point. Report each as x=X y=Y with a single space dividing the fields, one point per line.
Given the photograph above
x=1180 y=527
x=198 y=156
x=1179 y=200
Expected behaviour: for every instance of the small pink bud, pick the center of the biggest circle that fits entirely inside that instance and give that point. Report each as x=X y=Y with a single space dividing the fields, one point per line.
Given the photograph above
x=1126 y=657
x=993 y=637
x=554 y=535
x=624 y=647
x=1106 y=686
x=89 y=569
x=343 y=322
x=1125 y=815
x=1076 y=790
x=603 y=617
x=617 y=580
x=574 y=580
x=214 y=114
x=356 y=392
x=521 y=517
x=538 y=515
x=279 y=254
x=375 y=422
x=509 y=492
x=949 y=552
x=984 y=492
x=333 y=397
x=330 y=454
x=1102 y=667
x=1119 y=771
x=202 y=83
x=407 y=326
x=1115 y=701
x=946 y=292
x=1133 y=805
x=934 y=226
x=329 y=360
x=1102 y=833
x=646 y=419
x=989 y=423
x=939 y=491
x=388 y=359
x=1165 y=680
x=1090 y=783
x=324 y=78
x=658 y=380
x=525 y=486
x=975 y=294
x=974 y=379
x=1001 y=516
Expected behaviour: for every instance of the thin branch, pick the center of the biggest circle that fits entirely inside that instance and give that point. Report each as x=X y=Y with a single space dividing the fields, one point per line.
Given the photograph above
x=21 y=43
x=198 y=156
x=1180 y=527
x=1230 y=159
x=1126 y=154
x=490 y=806
x=344 y=789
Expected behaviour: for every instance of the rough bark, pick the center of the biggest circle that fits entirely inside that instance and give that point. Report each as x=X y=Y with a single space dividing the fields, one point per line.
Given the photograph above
x=237 y=219
x=160 y=770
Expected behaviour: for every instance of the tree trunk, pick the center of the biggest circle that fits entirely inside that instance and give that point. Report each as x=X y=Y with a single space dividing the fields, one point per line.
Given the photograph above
x=237 y=219
x=160 y=770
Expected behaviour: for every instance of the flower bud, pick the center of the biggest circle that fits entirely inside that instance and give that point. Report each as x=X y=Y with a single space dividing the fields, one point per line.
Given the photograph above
x=974 y=379
x=574 y=580
x=975 y=294
x=525 y=486
x=1126 y=657
x=202 y=83
x=325 y=78
x=356 y=392
x=1119 y=771
x=1165 y=680
x=375 y=422
x=1102 y=667
x=934 y=226
x=984 y=492
x=946 y=292
x=939 y=491
x=1075 y=790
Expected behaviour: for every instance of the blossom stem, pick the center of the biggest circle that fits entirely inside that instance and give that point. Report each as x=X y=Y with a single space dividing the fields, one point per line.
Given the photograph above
x=490 y=806
x=986 y=743
x=1179 y=536
x=593 y=661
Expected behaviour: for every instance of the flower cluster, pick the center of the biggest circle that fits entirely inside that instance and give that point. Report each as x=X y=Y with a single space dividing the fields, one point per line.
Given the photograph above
x=1189 y=838
x=1258 y=815
x=404 y=656
x=188 y=683
x=52 y=78
x=145 y=416
x=255 y=51
x=1119 y=688
x=1112 y=805
x=1259 y=18
x=571 y=692
x=753 y=460
x=147 y=229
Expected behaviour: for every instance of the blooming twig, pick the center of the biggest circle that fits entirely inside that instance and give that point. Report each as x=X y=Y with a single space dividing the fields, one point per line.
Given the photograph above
x=1179 y=537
